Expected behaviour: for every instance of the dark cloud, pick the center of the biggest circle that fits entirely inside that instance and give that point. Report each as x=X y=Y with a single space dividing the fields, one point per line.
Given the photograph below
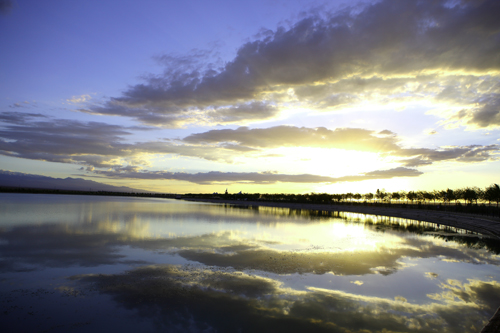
x=257 y=177
x=378 y=45
x=18 y=117
x=60 y=140
x=6 y=6
x=383 y=174
x=174 y=116
x=386 y=132
x=465 y=154
x=243 y=112
x=93 y=144
x=488 y=114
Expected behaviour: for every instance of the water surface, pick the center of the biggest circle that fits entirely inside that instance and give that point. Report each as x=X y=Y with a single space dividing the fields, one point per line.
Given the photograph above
x=81 y=263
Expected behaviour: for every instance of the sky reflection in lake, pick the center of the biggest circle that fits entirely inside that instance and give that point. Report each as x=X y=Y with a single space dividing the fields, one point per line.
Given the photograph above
x=87 y=263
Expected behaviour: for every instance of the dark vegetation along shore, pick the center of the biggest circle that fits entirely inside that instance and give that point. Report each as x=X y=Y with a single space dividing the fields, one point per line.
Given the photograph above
x=473 y=200
x=473 y=209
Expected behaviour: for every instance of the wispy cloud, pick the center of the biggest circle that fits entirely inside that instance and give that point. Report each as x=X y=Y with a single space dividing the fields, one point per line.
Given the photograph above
x=79 y=99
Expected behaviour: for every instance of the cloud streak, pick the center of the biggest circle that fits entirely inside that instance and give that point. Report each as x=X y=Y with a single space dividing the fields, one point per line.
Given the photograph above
x=213 y=177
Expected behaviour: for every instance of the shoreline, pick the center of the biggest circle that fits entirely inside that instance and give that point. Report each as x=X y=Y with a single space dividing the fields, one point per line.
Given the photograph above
x=484 y=225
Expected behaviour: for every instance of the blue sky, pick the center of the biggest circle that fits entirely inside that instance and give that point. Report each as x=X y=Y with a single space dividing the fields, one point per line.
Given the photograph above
x=259 y=96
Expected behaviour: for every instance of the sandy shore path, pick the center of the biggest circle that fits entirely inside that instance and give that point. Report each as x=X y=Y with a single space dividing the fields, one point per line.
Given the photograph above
x=477 y=223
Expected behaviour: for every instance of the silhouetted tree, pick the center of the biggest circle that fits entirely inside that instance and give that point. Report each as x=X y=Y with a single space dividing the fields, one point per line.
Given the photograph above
x=440 y=195
x=403 y=196
x=428 y=196
x=381 y=195
x=451 y=195
x=492 y=193
x=421 y=196
x=459 y=195
x=395 y=196
x=411 y=196
x=469 y=194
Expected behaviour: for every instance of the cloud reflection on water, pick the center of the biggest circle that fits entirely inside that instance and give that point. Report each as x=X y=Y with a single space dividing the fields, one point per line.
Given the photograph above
x=260 y=268
x=224 y=300
x=94 y=244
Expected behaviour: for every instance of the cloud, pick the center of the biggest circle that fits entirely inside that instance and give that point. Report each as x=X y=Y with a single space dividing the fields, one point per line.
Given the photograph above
x=291 y=136
x=79 y=99
x=342 y=138
x=96 y=144
x=174 y=116
x=258 y=177
x=18 y=117
x=243 y=112
x=34 y=136
x=386 y=51
x=6 y=6
x=464 y=154
x=488 y=114
x=100 y=145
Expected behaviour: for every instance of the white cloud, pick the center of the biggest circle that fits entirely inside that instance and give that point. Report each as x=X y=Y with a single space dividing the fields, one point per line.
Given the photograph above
x=79 y=99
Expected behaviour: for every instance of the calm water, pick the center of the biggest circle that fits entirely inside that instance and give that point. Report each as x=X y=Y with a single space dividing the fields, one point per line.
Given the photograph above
x=83 y=263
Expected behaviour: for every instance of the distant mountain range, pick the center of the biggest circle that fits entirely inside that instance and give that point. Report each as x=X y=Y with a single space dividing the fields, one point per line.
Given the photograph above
x=26 y=180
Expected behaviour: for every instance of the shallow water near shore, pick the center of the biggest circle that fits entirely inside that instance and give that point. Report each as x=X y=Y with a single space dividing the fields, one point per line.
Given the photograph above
x=92 y=263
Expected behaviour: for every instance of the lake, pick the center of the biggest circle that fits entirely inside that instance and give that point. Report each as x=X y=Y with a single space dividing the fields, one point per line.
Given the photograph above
x=95 y=263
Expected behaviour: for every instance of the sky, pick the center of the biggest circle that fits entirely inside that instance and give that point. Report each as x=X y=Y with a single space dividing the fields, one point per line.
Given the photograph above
x=253 y=96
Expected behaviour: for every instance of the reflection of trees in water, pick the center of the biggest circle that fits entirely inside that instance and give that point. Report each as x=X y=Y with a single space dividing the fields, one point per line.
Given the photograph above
x=464 y=237
x=394 y=223
x=489 y=244
x=380 y=224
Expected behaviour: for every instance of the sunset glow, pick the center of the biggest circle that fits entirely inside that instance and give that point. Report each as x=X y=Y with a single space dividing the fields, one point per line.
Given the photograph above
x=253 y=96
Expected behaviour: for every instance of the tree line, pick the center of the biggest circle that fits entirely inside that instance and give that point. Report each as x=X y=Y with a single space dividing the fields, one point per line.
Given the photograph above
x=474 y=200
x=467 y=196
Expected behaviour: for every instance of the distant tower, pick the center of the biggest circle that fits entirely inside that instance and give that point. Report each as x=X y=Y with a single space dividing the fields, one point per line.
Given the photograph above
x=226 y=191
